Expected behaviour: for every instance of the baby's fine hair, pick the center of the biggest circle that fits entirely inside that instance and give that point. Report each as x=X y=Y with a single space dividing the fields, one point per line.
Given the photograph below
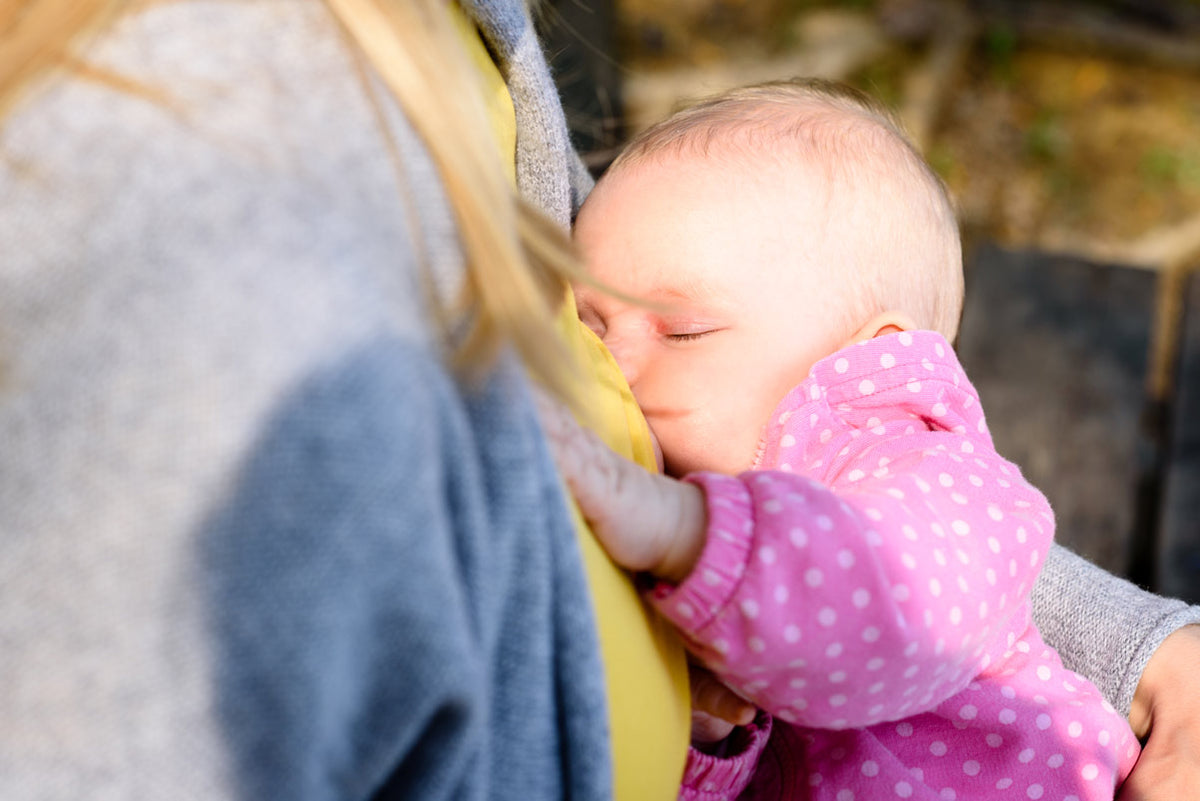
x=910 y=258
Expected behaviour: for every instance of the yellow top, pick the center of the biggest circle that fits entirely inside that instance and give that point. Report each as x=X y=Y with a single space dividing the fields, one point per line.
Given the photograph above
x=644 y=663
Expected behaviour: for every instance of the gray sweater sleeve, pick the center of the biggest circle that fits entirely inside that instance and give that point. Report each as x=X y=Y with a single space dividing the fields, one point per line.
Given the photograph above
x=394 y=604
x=1103 y=626
x=255 y=540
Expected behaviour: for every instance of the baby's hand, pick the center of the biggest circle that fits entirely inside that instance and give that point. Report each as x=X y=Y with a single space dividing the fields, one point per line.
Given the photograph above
x=645 y=521
x=716 y=709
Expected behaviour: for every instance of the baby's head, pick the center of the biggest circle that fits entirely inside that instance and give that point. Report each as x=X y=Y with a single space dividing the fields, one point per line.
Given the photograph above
x=767 y=228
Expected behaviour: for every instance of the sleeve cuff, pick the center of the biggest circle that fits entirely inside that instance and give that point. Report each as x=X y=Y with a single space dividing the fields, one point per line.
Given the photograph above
x=709 y=778
x=692 y=604
x=1168 y=625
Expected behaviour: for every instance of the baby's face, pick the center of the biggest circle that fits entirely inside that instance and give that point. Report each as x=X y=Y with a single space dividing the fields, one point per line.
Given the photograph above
x=734 y=260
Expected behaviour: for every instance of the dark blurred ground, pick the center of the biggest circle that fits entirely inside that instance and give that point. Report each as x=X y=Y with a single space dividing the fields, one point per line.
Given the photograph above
x=1069 y=133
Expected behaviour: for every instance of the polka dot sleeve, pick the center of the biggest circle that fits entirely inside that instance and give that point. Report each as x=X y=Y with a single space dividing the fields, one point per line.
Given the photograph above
x=844 y=609
x=878 y=566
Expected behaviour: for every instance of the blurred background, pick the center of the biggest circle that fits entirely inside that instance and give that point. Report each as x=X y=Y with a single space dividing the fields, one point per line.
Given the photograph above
x=1068 y=132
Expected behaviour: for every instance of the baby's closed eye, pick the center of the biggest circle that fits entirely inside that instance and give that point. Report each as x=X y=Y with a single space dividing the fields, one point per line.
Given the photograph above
x=687 y=330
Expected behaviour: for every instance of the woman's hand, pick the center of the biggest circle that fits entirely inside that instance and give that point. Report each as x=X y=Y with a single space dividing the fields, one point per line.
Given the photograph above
x=1166 y=709
x=646 y=522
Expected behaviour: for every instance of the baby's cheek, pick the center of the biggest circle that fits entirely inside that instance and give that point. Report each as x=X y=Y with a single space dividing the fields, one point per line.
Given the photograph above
x=704 y=448
x=675 y=443
x=666 y=449
x=701 y=422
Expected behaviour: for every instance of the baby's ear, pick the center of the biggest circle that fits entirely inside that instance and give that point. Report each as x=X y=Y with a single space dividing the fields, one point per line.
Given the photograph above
x=889 y=322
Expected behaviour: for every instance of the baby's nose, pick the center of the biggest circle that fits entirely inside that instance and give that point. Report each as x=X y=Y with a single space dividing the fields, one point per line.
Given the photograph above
x=626 y=356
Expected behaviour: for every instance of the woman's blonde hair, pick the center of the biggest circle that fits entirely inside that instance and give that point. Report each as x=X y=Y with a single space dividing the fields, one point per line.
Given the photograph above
x=516 y=258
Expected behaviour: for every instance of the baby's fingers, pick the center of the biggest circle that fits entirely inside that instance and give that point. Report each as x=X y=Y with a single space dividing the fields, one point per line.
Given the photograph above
x=708 y=729
x=605 y=486
x=712 y=697
x=645 y=521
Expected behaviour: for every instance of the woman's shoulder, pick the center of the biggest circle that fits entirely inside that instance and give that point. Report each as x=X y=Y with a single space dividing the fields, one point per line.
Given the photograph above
x=197 y=223
x=223 y=165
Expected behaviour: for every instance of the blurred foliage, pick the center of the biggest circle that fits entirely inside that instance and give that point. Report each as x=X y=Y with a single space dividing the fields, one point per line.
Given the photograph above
x=999 y=49
x=884 y=78
x=796 y=7
x=1030 y=136
x=1168 y=168
x=943 y=161
x=1046 y=139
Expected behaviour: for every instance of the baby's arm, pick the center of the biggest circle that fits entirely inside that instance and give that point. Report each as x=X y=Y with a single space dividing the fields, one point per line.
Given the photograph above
x=845 y=607
x=831 y=608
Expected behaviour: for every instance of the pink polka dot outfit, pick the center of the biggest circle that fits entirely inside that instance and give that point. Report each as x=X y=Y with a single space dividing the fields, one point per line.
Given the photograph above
x=868 y=586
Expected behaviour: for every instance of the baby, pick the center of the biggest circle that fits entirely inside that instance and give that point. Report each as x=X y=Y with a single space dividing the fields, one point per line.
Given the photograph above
x=861 y=565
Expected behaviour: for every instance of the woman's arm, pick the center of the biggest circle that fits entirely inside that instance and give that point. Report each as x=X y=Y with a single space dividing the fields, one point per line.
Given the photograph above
x=1143 y=652
x=1103 y=626
x=1166 y=711
x=395 y=599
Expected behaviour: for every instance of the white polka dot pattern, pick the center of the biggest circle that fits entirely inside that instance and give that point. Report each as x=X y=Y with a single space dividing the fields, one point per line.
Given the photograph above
x=885 y=576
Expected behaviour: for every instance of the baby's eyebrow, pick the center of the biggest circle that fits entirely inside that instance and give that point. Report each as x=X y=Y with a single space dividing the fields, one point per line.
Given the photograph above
x=687 y=289
x=697 y=296
x=663 y=299
x=668 y=294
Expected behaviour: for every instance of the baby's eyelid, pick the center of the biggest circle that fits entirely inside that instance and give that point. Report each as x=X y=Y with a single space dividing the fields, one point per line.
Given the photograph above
x=686 y=333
